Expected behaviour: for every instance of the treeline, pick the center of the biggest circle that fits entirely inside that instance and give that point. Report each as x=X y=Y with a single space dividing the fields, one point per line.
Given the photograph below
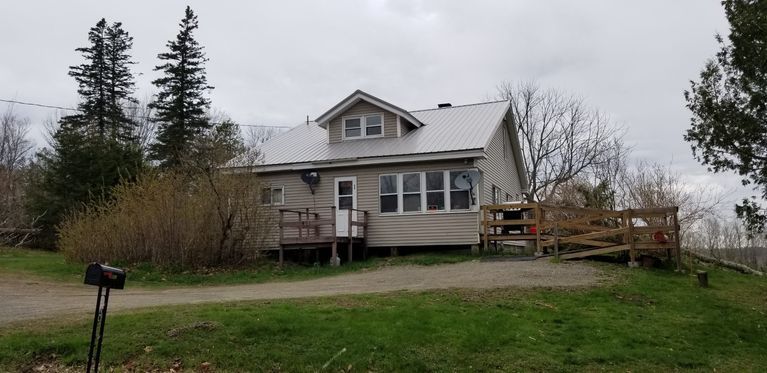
x=83 y=188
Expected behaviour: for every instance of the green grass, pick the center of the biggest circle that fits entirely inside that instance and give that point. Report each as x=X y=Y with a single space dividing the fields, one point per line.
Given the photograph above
x=53 y=266
x=647 y=321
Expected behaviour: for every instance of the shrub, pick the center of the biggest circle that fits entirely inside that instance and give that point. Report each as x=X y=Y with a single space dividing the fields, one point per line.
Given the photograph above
x=182 y=220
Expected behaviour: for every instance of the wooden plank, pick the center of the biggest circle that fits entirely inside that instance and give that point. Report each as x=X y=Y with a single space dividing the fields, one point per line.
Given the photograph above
x=653 y=229
x=510 y=237
x=566 y=224
x=307 y=240
x=585 y=241
x=572 y=239
x=599 y=251
x=497 y=223
x=652 y=211
x=655 y=245
x=511 y=206
x=485 y=230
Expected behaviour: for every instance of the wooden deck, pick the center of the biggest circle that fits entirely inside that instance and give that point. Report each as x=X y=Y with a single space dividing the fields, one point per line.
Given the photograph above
x=316 y=228
x=572 y=232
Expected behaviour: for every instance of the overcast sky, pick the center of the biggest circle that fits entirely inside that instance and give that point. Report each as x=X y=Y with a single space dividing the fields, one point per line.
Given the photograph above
x=276 y=62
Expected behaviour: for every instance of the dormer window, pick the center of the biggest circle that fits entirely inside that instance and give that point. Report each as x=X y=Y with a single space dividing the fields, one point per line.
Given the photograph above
x=363 y=126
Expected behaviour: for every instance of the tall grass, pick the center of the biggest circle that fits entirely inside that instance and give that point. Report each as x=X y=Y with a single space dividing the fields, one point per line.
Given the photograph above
x=172 y=219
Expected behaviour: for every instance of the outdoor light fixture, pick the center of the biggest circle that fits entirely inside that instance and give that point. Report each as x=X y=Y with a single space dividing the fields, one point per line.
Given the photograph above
x=103 y=277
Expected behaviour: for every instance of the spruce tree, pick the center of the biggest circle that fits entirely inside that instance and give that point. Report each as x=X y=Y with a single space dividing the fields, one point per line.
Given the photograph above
x=181 y=106
x=92 y=151
x=105 y=82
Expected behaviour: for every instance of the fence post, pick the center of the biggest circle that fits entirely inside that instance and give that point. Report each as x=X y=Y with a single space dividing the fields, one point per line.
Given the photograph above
x=677 y=240
x=485 y=222
x=556 y=240
x=630 y=238
x=334 y=246
x=538 y=227
x=282 y=236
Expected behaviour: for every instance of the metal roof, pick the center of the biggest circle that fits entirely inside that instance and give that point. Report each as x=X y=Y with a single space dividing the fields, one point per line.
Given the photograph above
x=456 y=128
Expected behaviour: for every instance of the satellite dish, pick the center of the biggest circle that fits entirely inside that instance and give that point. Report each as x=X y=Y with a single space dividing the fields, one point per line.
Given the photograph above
x=468 y=181
x=311 y=178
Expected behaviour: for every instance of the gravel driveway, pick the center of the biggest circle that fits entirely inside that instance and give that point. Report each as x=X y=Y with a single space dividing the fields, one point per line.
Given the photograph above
x=27 y=299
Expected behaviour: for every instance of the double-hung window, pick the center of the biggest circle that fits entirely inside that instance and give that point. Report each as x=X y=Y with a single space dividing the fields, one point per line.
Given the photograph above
x=411 y=192
x=460 y=199
x=388 y=197
x=363 y=126
x=273 y=195
x=435 y=191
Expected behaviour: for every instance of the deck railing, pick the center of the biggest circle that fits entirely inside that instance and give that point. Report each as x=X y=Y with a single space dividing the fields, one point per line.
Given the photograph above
x=318 y=227
x=573 y=232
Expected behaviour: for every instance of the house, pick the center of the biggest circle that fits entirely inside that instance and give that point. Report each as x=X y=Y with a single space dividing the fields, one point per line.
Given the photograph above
x=367 y=171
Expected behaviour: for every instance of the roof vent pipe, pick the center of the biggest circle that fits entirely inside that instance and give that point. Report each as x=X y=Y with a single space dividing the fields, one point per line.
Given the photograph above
x=444 y=105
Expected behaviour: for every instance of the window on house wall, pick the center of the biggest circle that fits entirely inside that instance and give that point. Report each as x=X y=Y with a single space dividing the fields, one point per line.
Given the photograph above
x=418 y=192
x=388 y=195
x=460 y=199
x=435 y=191
x=373 y=125
x=497 y=193
x=411 y=192
x=363 y=126
x=353 y=127
x=273 y=195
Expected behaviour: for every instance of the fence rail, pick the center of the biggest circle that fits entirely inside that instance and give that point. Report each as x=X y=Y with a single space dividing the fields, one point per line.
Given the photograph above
x=583 y=232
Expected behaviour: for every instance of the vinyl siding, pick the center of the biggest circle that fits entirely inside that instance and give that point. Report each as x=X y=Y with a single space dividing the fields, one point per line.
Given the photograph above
x=498 y=168
x=335 y=127
x=423 y=229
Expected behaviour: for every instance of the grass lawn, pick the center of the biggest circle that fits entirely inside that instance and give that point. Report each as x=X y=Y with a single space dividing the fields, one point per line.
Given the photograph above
x=54 y=266
x=647 y=320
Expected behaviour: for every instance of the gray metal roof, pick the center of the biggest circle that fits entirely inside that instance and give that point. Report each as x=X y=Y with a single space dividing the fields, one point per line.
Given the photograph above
x=455 y=128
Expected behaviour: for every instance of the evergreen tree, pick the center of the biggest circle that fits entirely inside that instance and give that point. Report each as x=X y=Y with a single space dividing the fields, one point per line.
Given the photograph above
x=181 y=105
x=729 y=105
x=105 y=82
x=92 y=151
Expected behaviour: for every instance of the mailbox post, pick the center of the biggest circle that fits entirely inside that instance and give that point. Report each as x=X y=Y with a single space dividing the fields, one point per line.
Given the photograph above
x=104 y=277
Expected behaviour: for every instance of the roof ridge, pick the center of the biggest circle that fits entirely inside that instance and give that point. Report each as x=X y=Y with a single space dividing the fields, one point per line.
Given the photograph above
x=457 y=106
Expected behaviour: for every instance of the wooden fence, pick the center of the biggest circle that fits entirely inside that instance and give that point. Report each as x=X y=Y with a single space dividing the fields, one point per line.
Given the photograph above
x=574 y=232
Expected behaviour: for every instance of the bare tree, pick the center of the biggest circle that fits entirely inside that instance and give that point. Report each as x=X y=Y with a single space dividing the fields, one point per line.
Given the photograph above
x=255 y=136
x=145 y=129
x=561 y=136
x=15 y=152
x=651 y=185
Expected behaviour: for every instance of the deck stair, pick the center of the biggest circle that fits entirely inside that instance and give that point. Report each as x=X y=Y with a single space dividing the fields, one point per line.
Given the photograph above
x=574 y=232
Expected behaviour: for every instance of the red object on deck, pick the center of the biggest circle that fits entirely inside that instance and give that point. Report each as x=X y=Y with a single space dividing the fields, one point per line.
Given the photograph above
x=533 y=229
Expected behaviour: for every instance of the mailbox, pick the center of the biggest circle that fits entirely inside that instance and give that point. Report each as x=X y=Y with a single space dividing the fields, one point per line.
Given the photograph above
x=104 y=276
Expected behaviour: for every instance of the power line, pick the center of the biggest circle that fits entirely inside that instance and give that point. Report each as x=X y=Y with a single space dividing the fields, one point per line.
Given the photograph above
x=132 y=116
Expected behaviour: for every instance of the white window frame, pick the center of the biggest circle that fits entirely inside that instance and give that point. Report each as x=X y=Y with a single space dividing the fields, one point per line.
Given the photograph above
x=397 y=193
x=450 y=189
x=271 y=189
x=426 y=191
x=363 y=126
x=420 y=192
x=446 y=190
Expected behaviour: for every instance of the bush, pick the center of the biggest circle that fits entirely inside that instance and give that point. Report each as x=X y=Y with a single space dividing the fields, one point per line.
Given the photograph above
x=176 y=219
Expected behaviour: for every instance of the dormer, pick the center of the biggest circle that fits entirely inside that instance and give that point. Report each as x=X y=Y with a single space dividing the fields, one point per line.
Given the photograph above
x=362 y=116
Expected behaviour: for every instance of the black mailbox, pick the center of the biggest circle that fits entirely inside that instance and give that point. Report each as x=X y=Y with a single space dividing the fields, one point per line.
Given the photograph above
x=104 y=276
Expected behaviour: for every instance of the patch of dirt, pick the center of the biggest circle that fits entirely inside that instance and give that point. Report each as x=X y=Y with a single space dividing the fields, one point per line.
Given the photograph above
x=24 y=300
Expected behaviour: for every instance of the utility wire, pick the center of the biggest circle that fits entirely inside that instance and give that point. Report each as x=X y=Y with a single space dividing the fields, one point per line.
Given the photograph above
x=132 y=116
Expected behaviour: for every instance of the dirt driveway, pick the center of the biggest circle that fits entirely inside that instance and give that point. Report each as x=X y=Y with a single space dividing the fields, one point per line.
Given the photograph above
x=27 y=299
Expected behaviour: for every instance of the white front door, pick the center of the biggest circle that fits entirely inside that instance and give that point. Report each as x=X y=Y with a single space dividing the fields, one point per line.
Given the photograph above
x=346 y=198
